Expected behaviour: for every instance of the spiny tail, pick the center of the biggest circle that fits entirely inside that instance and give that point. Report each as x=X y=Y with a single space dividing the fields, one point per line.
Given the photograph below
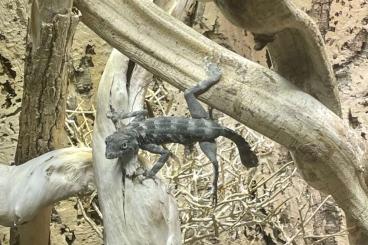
x=247 y=156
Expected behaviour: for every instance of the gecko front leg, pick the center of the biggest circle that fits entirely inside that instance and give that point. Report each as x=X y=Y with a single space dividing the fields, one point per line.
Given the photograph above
x=165 y=154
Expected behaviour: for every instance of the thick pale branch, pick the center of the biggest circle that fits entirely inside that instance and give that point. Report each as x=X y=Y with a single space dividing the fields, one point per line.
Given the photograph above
x=297 y=52
x=44 y=180
x=177 y=53
x=331 y=156
x=134 y=212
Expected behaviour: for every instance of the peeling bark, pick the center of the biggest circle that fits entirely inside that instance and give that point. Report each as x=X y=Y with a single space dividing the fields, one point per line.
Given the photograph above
x=52 y=27
x=321 y=12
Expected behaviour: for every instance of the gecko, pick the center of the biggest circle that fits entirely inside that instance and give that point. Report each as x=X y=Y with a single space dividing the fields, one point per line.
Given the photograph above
x=150 y=133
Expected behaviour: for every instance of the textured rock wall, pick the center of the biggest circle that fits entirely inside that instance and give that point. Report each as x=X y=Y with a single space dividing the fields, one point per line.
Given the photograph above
x=12 y=48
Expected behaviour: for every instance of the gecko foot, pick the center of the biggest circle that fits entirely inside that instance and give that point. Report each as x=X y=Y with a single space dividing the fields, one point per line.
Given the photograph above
x=213 y=71
x=140 y=178
x=147 y=174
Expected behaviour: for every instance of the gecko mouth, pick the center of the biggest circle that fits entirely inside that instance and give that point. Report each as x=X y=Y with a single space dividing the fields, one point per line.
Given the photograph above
x=111 y=155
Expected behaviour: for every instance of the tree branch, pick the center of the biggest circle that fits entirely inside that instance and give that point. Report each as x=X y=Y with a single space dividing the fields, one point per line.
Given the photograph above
x=330 y=155
x=128 y=206
x=297 y=51
x=44 y=180
x=41 y=121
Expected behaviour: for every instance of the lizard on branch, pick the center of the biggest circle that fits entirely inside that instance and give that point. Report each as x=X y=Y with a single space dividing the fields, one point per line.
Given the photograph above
x=149 y=134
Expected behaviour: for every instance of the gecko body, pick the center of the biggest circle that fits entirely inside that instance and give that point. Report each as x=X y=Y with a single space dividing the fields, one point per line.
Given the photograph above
x=149 y=134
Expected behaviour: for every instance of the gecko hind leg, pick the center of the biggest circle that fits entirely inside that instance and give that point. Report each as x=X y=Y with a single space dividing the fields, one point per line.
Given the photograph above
x=195 y=108
x=210 y=149
x=197 y=111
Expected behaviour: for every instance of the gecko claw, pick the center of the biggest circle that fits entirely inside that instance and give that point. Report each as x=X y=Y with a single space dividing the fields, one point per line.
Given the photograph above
x=214 y=71
x=140 y=178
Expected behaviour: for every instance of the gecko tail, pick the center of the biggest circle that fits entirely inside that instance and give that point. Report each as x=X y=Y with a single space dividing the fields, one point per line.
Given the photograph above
x=247 y=156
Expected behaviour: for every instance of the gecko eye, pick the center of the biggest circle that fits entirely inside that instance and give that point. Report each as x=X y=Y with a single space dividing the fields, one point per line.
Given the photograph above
x=124 y=145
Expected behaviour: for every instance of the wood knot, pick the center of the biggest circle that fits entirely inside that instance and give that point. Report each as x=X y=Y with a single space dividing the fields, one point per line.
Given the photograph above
x=312 y=152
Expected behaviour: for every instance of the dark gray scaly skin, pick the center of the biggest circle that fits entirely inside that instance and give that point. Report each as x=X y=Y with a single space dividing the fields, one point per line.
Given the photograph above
x=149 y=134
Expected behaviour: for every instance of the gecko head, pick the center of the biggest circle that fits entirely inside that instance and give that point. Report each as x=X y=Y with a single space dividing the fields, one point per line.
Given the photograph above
x=120 y=144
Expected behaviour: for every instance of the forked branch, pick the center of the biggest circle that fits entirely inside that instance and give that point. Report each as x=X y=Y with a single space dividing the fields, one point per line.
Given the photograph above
x=330 y=155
